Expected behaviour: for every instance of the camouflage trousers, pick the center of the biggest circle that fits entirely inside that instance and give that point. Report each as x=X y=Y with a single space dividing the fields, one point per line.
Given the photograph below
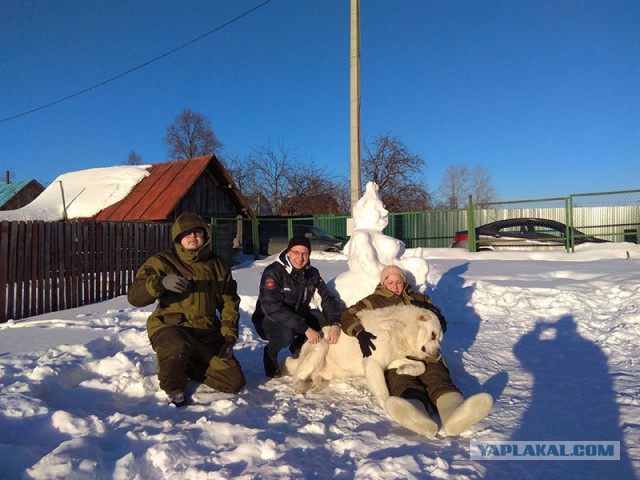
x=184 y=353
x=427 y=388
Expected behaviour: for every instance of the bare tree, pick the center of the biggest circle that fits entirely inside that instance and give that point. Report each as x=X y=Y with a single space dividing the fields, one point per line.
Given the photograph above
x=242 y=172
x=454 y=188
x=134 y=158
x=342 y=195
x=482 y=185
x=459 y=182
x=190 y=135
x=308 y=180
x=271 y=167
x=240 y=169
x=310 y=184
x=388 y=162
x=273 y=176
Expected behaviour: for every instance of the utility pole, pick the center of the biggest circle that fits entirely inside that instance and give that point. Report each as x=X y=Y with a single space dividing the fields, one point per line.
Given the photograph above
x=355 y=102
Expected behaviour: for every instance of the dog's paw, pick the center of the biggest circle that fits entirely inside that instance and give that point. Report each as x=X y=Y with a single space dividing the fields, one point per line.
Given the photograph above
x=412 y=370
x=408 y=367
x=318 y=384
x=301 y=386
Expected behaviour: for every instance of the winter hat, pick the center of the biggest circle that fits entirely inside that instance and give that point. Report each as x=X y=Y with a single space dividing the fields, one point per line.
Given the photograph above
x=299 y=240
x=188 y=221
x=390 y=270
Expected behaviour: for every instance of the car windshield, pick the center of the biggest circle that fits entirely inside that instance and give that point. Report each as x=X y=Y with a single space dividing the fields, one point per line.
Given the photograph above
x=321 y=234
x=311 y=232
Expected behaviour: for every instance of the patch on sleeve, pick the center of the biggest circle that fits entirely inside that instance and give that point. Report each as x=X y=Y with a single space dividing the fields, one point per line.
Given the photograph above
x=270 y=283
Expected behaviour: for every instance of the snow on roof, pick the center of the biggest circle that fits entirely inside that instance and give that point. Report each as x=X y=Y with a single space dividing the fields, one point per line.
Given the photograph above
x=85 y=193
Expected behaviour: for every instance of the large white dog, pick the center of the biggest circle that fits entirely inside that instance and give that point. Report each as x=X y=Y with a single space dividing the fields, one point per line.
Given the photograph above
x=402 y=332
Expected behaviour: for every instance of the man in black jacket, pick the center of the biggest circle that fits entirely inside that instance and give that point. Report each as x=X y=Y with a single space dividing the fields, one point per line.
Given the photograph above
x=286 y=289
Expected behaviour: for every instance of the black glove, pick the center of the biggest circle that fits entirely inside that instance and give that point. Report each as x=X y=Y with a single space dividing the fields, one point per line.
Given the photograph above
x=366 y=342
x=226 y=350
x=175 y=283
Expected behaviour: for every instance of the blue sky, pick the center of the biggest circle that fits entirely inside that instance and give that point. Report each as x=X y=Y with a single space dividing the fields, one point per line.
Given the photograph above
x=545 y=94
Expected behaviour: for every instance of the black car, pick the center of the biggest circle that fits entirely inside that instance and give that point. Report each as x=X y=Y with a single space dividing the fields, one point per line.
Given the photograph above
x=518 y=234
x=276 y=239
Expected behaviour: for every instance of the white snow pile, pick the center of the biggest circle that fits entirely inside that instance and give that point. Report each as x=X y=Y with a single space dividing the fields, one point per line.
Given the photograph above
x=84 y=192
x=553 y=337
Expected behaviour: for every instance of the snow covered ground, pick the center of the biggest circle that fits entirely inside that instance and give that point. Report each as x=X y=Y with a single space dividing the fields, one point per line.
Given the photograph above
x=552 y=336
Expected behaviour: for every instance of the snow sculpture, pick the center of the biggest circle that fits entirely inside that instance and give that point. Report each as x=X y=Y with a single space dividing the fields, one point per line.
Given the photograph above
x=369 y=251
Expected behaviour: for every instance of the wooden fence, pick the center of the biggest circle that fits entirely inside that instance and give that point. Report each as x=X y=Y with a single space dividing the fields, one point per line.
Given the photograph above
x=51 y=266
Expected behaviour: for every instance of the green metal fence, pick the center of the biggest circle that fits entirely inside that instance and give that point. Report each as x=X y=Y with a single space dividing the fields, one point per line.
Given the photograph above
x=428 y=229
x=613 y=216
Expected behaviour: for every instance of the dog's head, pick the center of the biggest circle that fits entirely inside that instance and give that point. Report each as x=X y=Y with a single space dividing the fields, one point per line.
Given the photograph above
x=404 y=331
x=429 y=335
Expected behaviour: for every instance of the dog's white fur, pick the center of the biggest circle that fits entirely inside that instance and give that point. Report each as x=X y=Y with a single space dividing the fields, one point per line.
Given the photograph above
x=402 y=331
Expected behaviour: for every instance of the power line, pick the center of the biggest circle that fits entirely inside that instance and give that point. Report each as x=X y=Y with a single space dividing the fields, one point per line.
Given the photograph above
x=170 y=52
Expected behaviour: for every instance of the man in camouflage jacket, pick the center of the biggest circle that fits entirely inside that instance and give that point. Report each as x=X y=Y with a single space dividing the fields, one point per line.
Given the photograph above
x=195 y=323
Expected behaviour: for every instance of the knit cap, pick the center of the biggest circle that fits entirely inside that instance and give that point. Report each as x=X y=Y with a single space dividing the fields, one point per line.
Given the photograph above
x=390 y=270
x=299 y=240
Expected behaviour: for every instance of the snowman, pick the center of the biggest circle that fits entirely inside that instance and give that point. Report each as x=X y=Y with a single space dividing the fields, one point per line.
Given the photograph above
x=369 y=251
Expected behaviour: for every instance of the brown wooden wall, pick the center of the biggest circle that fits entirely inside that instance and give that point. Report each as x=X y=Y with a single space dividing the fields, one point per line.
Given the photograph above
x=50 y=266
x=24 y=197
x=207 y=198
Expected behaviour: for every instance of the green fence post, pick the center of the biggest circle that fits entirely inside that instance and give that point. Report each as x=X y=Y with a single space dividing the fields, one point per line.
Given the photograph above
x=471 y=226
x=569 y=234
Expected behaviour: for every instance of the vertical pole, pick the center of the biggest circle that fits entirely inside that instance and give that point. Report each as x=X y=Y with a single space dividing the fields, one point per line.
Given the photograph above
x=355 y=102
x=471 y=226
x=255 y=238
x=571 y=241
x=289 y=229
x=64 y=204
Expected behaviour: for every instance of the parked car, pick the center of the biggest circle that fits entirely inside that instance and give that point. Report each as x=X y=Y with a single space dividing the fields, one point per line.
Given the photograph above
x=519 y=234
x=276 y=239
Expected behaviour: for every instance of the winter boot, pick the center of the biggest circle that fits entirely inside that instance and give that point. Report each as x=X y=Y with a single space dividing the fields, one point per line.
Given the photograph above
x=411 y=414
x=458 y=414
x=178 y=400
x=296 y=345
x=270 y=366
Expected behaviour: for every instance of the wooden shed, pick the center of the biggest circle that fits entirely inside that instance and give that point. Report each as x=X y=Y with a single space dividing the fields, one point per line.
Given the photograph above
x=14 y=195
x=200 y=184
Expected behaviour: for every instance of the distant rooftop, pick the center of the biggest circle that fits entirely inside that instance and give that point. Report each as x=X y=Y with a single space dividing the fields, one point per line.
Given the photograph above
x=10 y=190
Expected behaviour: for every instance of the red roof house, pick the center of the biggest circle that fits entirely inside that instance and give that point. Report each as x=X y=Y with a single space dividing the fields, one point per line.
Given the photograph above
x=199 y=185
